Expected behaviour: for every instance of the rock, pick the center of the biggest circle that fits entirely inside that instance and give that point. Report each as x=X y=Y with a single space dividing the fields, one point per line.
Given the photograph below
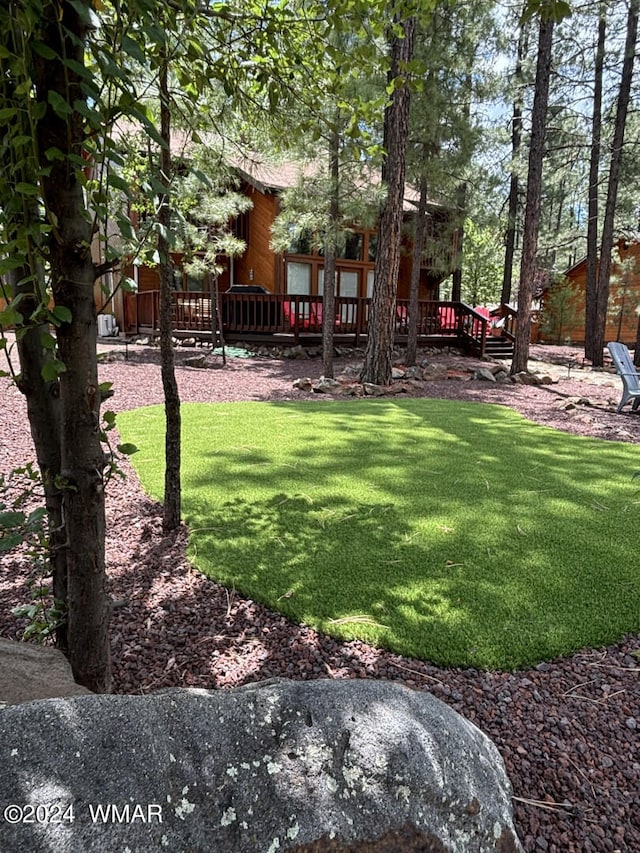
x=435 y=371
x=325 y=385
x=485 y=374
x=372 y=390
x=524 y=378
x=398 y=373
x=413 y=372
x=196 y=361
x=294 y=352
x=31 y=672
x=265 y=767
x=352 y=370
x=304 y=383
x=353 y=389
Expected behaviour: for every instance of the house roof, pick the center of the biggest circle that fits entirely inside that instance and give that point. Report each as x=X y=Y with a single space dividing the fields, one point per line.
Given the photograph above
x=627 y=238
x=265 y=175
x=275 y=177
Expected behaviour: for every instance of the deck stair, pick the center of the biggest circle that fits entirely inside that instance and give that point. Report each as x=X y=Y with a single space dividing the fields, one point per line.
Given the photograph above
x=499 y=347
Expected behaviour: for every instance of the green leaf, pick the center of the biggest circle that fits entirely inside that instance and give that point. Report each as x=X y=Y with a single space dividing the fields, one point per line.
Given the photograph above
x=12 y=519
x=39 y=110
x=9 y=541
x=127 y=449
x=109 y=418
x=548 y=10
x=23 y=88
x=119 y=183
x=62 y=313
x=54 y=153
x=62 y=108
x=133 y=49
x=52 y=370
x=8 y=264
x=128 y=284
x=27 y=189
x=10 y=317
x=48 y=341
x=43 y=50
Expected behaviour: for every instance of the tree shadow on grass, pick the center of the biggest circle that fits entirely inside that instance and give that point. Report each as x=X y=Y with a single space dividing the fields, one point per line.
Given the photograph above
x=465 y=536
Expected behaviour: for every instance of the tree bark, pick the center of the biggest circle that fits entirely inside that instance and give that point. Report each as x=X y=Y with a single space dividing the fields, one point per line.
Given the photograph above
x=597 y=339
x=43 y=410
x=416 y=266
x=534 y=187
x=594 y=177
x=329 y=289
x=378 y=353
x=72 y=278
x=171 y=516
x=456 y=278
x=514 y=181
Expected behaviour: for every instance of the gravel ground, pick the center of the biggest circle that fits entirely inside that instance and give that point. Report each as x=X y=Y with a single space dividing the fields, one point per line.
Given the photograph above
x=567 y=729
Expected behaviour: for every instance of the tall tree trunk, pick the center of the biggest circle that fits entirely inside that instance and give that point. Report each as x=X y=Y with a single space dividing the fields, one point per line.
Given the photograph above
x=534 y=187
x=594 y=177
x=42 y=395
x=43 y=410
x=171 y=515
x=378 y=353
x=416 y=267
x=456 y=278
x=514 y=181
x=606 y=244
x=72 y=277
x=329 y=289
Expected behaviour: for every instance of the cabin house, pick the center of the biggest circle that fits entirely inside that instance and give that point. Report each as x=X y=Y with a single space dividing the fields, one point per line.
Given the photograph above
x=562 y=319
x=297 y=272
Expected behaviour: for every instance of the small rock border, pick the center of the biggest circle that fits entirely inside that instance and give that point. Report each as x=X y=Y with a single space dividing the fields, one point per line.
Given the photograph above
x=406 y=380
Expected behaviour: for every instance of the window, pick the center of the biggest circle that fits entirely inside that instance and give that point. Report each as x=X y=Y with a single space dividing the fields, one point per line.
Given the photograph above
x=373 y=247
x=241 y=227
x=370 y=276
x=301 y=244
x=352 y=248
x=348 y=283
x=196 y=283
x=299 y=278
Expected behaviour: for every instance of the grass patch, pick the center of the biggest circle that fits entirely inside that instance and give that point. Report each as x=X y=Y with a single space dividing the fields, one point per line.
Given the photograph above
x=459 y=533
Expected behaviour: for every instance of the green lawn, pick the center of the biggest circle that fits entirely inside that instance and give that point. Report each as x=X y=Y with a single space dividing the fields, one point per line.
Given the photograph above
x=458 y=533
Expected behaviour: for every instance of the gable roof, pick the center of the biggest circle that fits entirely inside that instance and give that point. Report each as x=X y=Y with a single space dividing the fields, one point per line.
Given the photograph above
x=276 y=177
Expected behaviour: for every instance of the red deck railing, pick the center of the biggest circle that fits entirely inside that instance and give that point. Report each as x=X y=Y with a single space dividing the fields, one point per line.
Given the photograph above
x=301 y=317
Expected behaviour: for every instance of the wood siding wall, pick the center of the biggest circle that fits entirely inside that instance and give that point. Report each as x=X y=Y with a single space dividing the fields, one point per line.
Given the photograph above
x=562 y=318
x=258 y=265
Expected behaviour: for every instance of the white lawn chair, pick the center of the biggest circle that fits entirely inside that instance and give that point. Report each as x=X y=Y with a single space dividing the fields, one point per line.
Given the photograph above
x=626 y=369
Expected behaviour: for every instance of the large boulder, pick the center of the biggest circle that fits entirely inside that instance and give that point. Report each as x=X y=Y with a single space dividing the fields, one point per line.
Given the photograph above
x=282 y=765
x=31 y=672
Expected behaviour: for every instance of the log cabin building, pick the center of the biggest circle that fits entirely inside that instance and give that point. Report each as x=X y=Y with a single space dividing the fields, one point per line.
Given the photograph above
x=563 y=304
x=297 y=272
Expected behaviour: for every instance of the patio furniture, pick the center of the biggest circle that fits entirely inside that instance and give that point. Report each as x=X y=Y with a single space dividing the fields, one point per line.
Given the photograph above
x=626 y=370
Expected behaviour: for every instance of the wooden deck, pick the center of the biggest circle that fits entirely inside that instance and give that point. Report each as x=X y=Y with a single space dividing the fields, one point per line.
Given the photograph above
x=281 y=318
